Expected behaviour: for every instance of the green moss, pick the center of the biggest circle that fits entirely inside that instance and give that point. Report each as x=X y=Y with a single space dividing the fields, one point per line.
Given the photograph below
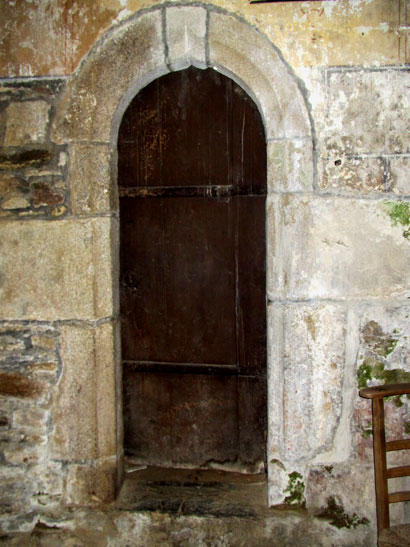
x=400 y=214
x=368 y=431
x=406 y=427
x=372 y=369
x=296 y=489
x=364 y=374
x=334 y=512
x=386 y=346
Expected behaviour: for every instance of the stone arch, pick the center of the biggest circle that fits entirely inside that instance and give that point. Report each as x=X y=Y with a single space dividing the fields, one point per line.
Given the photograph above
x=144 y=47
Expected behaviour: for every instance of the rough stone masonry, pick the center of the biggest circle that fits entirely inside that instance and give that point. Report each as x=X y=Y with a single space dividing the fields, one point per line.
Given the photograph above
x=331 y=80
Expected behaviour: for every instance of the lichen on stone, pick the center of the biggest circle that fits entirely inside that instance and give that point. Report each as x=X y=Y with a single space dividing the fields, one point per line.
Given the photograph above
x=335 y=513
x=296 y=489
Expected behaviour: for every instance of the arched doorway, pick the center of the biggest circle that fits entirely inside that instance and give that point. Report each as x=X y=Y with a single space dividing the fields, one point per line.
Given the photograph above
x=192 y=184
x=86 y=121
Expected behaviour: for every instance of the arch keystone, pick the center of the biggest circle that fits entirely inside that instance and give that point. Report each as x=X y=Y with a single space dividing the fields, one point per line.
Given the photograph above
x=185 y=36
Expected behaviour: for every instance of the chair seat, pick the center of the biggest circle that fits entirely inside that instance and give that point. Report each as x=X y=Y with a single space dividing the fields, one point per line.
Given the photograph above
x=395 y=536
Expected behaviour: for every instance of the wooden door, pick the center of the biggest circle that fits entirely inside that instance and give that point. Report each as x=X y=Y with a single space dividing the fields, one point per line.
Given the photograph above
x=192 y=183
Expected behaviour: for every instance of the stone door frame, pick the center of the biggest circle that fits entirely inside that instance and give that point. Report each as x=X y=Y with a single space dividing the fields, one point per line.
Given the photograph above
x=87 y=116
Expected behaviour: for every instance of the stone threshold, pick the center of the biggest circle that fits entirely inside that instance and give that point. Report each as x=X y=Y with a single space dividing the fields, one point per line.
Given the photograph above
x=200 y=492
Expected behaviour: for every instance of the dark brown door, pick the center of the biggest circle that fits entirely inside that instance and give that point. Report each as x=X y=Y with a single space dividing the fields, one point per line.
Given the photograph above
x=192 y=180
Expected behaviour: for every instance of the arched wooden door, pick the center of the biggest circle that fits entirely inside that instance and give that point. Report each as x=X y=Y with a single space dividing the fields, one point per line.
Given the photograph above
x=192 y=183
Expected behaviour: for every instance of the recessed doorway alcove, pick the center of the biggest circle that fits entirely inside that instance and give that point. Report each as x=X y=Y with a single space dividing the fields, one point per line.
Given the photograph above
x=158 y=41
x=192 y=184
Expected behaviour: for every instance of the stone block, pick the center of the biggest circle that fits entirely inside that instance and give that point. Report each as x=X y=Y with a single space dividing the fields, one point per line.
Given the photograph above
x=25 y=159
x=111 y=75
x=238 y=50
x=56 y=270
x=368 y=112
x=16 y=490
x=290 y=166
x=90 y=180
x=26 y=123
x=343 y=494
x=323 y=247
x=85 y=417
x=14 y=384
x=107 y=340
x=90 y=482
x=312 y=358
x=49 y=477
x=14 y=202
x=399 y=175
x=185 y=35
x=13 y=193
x=26 y=455
x=32 y=418
x=44 y=194
x=353 y=175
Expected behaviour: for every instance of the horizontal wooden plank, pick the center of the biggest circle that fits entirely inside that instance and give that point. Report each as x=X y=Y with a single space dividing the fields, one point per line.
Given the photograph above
x=211 y=191
x=400 y=444
x=396 y=497
x=181 y=368
x=386 y=390
x=400 y=471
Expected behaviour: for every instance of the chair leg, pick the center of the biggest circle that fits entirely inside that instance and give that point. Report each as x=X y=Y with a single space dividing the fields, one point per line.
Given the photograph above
x=380 y=468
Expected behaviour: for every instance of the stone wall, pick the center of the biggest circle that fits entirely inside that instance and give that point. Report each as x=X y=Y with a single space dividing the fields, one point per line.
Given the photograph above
x=338 y=285
x=56 y=311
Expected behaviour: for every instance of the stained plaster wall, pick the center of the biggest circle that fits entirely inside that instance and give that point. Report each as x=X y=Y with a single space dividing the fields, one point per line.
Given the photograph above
x=338 y=254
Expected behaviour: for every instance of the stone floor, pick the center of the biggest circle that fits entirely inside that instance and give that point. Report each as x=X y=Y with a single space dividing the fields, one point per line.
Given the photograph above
x=188 y=508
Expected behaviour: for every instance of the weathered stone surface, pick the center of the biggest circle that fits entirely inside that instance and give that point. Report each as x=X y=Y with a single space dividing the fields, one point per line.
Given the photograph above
x=56 y=270
x=32 y=418
x=19 y=385
x=355 y=33
x=340 y=494
x=399 y=175
x=335 y=248
x=186 y=31
x=90 y=482
x=240 y=51
x=24 y=158
x=290 y=165
x=26 y=394
x=121 y=65
x=383 y=356
x=313 y=358
x=45 y=195
x=356 y=175
x=12 y=202
x=74 y=435
x=14 y=495
x=42 y=195
x=85 y=411
x=90 y=179
x=26 y=123
x=108 y=391
x=367 y=112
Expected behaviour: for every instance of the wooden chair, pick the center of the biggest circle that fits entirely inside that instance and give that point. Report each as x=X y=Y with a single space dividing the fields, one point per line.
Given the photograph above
x=395 y=535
